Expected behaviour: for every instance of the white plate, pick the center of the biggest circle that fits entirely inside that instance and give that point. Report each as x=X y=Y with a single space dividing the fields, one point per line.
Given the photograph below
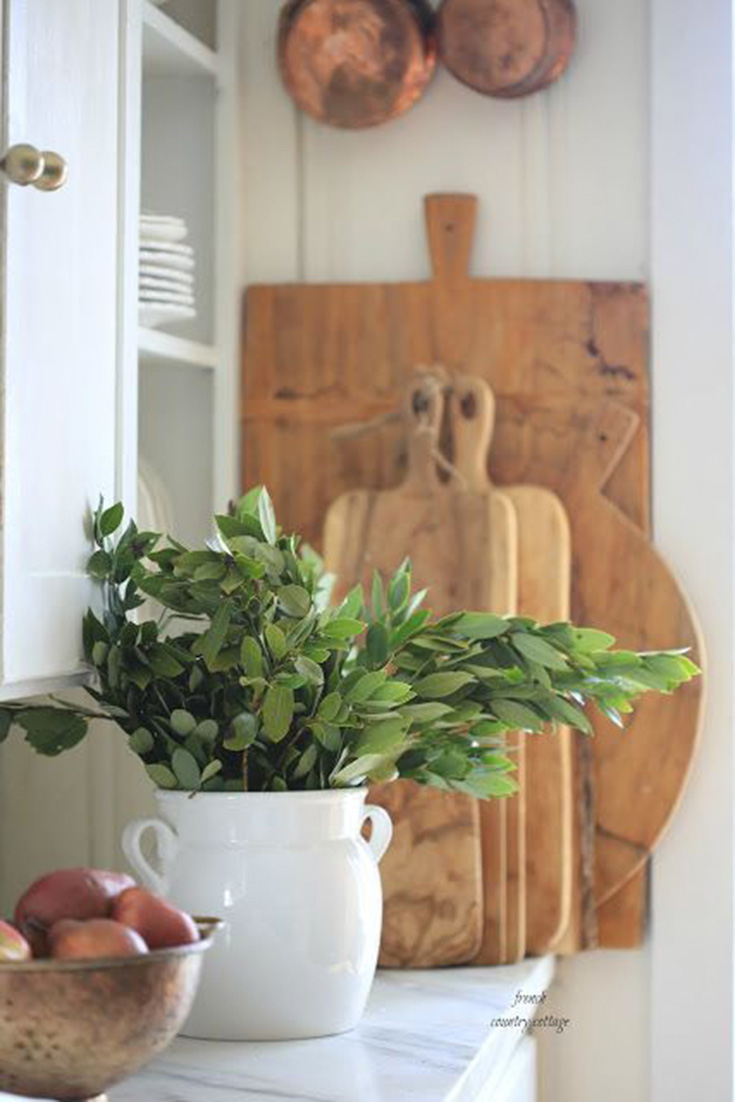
x=165 y=248
x=155 y=509
x=170 y=275
x=149 y=295
x=167 y=219
x=152 y=314
x=164 y=233
x=151 y=283
x=166 y=260
x=155 y=514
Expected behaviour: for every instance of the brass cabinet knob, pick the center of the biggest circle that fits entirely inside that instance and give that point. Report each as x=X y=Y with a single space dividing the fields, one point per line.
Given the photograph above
x=23 y=164
x=54 y=172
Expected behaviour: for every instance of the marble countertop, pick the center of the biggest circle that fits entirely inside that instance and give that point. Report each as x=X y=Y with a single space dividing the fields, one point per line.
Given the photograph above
x=426 y=1037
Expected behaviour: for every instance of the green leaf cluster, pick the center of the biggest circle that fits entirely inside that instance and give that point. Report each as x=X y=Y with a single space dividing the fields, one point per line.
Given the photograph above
x=249 y=679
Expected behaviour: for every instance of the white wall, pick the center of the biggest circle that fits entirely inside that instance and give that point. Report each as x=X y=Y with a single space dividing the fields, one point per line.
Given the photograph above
x=563 y=179
x=692 y=279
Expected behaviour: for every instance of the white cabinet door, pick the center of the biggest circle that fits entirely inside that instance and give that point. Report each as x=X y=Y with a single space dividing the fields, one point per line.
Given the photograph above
x=59 y=441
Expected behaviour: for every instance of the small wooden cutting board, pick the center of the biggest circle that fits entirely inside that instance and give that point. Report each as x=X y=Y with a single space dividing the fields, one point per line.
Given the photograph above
x=502 y=822
x=544 y=582
x=432 y=877
x=538 y=823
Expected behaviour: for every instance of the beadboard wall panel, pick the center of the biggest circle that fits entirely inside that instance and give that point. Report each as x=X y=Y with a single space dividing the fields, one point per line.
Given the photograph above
x=562 y=176
x=563 y=182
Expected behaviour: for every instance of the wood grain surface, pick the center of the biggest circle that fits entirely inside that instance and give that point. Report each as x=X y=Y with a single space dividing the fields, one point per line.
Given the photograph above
x=567 y=361
x=621 y=919
x=544 y=572
x=463 y=548
x=538 y=825
x=502 y=822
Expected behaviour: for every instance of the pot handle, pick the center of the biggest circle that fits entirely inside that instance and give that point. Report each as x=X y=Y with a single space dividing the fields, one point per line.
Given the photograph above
x=167 y=843
x=382 y=831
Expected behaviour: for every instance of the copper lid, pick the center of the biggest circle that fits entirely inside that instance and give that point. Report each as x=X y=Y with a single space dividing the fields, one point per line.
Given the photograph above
x=506 y=48
x=356 y=63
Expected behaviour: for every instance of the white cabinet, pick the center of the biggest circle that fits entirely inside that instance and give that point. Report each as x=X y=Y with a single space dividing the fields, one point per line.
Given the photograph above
x=140 y=101
x=59 y=330
x=142 y=110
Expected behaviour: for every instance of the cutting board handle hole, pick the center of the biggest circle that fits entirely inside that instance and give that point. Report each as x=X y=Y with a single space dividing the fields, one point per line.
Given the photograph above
x=468 y=405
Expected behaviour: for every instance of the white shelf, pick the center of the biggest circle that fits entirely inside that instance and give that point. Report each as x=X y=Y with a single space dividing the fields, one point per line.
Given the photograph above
x=154 y=345
x=170 y=50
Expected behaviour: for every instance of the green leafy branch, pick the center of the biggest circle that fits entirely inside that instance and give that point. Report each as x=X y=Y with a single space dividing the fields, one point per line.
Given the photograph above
x=248 y=679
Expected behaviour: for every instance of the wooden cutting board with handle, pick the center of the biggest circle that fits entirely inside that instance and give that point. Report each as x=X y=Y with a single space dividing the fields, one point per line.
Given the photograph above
x=544 y=569
x=557 y=353
x=432 y=876
x=538 y=825
x=502 y=822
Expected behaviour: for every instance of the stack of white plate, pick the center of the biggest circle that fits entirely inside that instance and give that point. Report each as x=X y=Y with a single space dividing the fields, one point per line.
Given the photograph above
x=166 y=277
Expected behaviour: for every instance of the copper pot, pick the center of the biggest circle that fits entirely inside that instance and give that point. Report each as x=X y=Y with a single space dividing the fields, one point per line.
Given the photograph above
x=507 y=48
x=356 y=63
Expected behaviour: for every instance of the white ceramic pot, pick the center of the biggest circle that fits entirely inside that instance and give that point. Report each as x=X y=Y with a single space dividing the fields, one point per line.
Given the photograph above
x=299 y=891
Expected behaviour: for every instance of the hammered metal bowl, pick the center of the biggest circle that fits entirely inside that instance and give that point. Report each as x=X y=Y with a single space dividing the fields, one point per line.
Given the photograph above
x=71 y=1029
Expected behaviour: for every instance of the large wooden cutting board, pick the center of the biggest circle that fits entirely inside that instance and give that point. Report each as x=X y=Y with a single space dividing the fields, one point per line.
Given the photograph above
x=463 y=548
x=560 y=355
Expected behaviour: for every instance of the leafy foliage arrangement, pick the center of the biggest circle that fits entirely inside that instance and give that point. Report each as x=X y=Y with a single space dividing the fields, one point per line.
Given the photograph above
x=249 y=680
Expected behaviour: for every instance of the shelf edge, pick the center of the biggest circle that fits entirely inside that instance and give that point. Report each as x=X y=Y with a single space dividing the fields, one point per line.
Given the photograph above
x=179 y=39
x=153 y=345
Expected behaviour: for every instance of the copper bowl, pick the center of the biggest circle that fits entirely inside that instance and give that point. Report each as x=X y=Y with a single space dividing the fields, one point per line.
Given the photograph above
x=71 y=1029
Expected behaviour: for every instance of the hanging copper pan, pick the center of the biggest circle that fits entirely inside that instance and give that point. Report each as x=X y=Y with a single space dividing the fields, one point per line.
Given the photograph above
x=507 y=48
x=356 y=63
